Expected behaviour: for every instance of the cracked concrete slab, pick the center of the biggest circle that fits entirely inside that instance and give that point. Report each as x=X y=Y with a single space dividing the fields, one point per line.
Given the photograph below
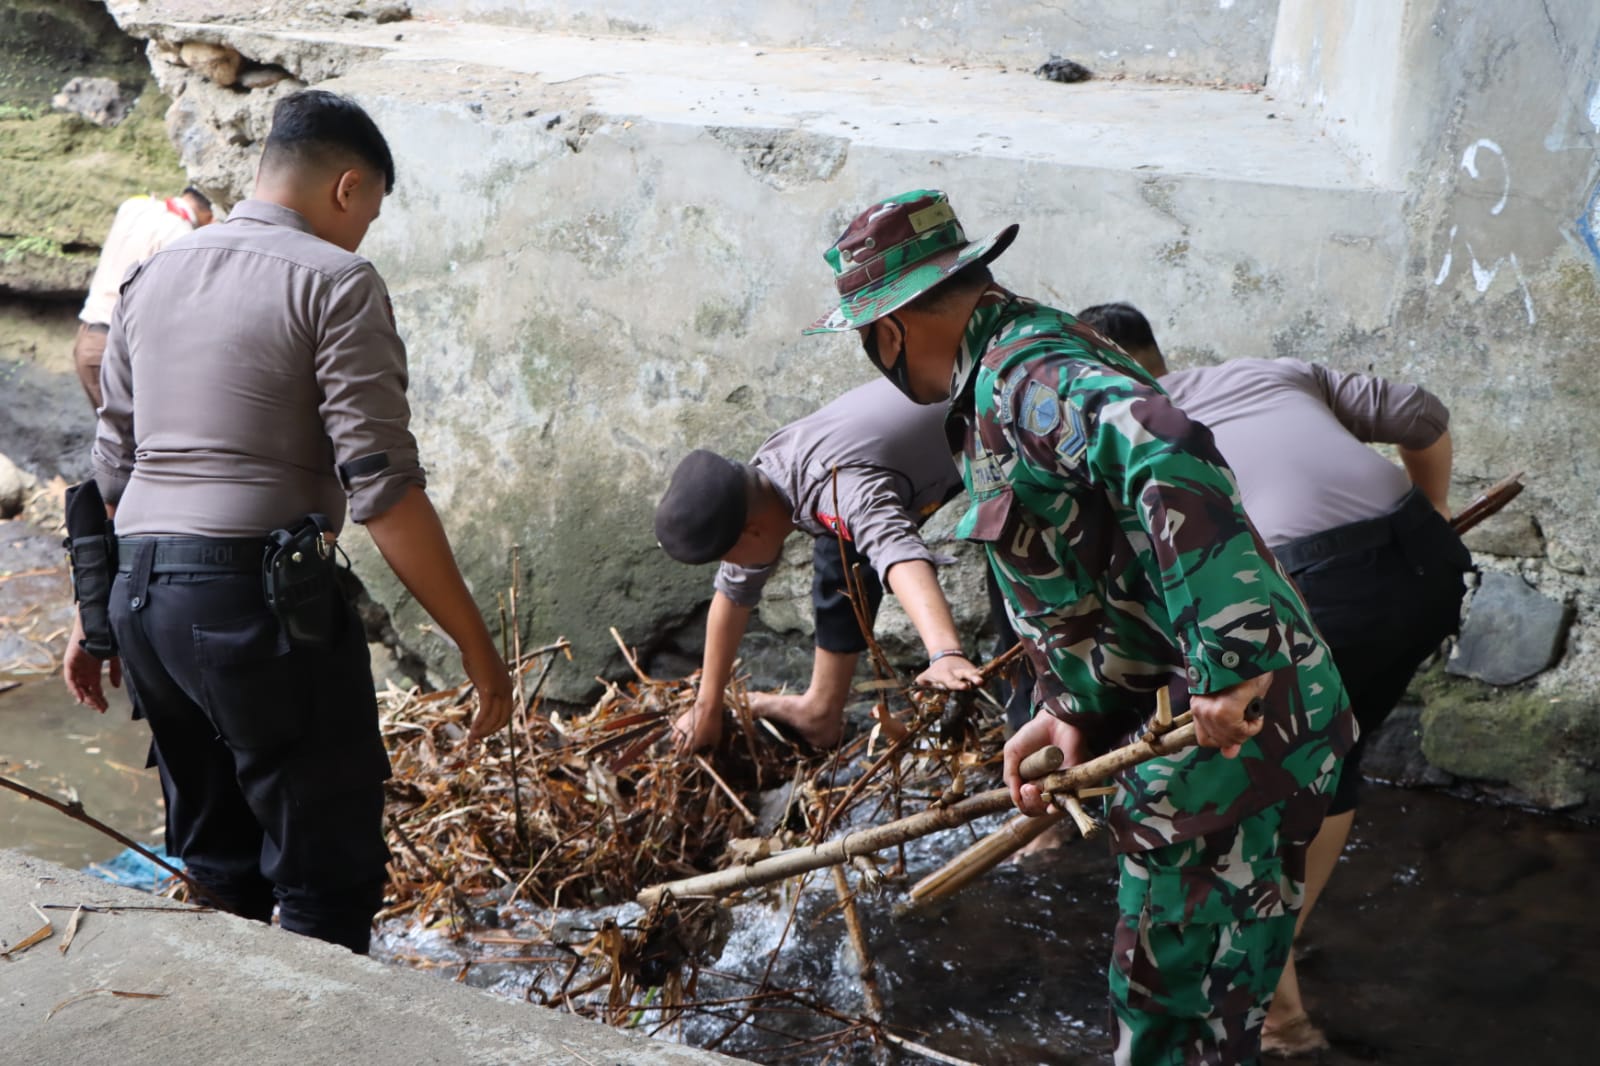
x=179 y=987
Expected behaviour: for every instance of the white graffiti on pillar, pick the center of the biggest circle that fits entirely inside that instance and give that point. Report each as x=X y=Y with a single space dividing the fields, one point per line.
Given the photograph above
x=1483 y=276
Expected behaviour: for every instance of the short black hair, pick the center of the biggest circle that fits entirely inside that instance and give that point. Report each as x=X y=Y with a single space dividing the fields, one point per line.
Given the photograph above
x=198 y=197
x=970 y=277
x=1121 y=323
x=316 y=126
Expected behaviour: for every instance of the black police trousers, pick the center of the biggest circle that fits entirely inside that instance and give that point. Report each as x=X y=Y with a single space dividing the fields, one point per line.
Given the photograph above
x=270 y=756
x=837 y=628
x=1384 y=593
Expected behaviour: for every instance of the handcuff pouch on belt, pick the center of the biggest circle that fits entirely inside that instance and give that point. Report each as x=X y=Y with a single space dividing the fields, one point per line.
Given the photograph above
x=300 y=583
x=91 y=544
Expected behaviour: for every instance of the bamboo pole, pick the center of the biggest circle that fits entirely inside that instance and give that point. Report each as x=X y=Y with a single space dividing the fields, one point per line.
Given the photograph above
x=858 y=942
x=1163 y=709
x=1088 y=828
x=983 y=856
x=876 y=838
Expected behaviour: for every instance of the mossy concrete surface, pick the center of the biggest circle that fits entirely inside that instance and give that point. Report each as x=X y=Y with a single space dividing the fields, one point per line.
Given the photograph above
x=1541 y=744
x=63 y=176
x=61 y=181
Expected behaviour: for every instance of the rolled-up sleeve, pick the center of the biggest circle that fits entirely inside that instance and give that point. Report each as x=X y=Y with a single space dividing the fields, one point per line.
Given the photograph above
x=113 y=453
x=1379 y=411
x=743 y=584
x=361 y=371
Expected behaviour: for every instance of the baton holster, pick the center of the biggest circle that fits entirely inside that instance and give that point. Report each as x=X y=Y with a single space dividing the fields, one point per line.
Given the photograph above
x=91 y=544
x=300 y=584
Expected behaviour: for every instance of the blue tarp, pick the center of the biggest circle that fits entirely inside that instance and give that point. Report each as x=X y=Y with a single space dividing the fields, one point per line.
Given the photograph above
x=132 y=870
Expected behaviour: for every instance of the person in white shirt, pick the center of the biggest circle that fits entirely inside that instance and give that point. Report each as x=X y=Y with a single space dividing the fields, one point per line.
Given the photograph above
x=143 y=226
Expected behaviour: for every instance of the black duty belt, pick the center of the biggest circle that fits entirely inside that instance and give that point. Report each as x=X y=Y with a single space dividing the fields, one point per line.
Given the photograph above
x=1365 y=535
x=194 y=555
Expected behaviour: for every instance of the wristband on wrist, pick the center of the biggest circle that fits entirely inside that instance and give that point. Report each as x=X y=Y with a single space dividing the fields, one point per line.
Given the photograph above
x=947 y=653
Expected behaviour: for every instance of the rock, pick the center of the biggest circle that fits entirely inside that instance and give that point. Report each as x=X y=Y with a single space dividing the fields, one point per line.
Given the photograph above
x=1057 y=69
x=217 y=63
x=262 y=77
x=1564 y=558
x=1507 y=534
x=386 y=669
x=15 y=485
x=379 y=11
x=1394 y=752
x=100 y=100
x=1512 y=632
x=1546 y=746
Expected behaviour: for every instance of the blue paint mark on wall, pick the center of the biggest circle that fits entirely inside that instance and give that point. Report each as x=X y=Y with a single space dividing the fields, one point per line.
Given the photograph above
x=1589 y=222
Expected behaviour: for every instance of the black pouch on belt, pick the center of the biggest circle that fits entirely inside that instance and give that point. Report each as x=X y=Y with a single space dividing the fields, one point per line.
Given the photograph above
x=91 y=545
x=300 y=584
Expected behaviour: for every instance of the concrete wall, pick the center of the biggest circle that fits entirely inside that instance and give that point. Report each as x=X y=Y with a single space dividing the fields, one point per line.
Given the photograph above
x=1342 y=61
x=1225 y=40
x=1489 y=116
x=601 y=254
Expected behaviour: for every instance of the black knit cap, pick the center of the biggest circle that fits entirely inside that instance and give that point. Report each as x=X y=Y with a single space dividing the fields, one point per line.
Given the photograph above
x=701 y=516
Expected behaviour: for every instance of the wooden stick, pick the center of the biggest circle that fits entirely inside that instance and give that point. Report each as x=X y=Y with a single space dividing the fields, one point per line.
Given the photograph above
x=1487 y=502
x=876 y=838
x=726 y=791
x=75 y=811
x=981 y=857
x=923 y=1050
x=1163 y=710
x=1047 y=760
x=858 y=941
x=632 y=662
x=993 y=849
x=1088 y=828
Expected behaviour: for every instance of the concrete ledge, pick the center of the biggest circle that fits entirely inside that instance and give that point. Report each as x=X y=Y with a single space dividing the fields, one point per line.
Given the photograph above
x=236 y=991
x=1227 y=40
x=885 y=103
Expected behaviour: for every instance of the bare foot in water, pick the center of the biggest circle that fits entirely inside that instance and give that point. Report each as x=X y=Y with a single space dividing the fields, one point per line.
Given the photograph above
x=817 y=725
x=1295 y=1037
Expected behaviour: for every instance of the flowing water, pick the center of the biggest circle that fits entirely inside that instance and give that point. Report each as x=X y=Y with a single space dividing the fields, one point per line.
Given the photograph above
x=1453 y=933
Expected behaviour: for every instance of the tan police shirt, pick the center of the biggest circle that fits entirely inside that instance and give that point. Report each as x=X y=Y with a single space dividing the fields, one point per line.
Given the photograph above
x=894 y=470
x=144 y=225
x=252 y=375
x=1296 y=436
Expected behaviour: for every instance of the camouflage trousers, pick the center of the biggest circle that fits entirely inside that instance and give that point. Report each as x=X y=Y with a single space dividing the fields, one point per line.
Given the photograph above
x=1204 y=929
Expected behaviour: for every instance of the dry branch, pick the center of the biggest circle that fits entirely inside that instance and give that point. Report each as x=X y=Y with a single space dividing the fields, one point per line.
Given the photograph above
x=867 y=841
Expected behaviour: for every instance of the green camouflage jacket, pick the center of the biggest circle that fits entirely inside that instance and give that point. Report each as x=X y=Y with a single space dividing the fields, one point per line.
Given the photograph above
x=1115 y=530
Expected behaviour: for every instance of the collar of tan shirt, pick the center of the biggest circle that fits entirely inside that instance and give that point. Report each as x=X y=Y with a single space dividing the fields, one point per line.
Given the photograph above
x=270 y=213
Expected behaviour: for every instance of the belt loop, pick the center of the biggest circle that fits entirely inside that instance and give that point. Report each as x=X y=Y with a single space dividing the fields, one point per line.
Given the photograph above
x=144 y=557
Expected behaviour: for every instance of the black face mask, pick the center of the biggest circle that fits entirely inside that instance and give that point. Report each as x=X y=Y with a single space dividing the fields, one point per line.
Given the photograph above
x=900 y=373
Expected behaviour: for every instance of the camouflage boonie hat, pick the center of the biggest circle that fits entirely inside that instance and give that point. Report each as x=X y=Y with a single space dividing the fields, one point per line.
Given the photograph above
x=895 y=251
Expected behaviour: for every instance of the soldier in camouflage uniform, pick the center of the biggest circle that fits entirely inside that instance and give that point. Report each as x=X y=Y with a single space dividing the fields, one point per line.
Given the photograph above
x=1115 y=530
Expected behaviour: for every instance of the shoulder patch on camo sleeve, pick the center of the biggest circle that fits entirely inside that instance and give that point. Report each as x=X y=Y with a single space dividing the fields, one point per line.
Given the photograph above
x=1041 y=409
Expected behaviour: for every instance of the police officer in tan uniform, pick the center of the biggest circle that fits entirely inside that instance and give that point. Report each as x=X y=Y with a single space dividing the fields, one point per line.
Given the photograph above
x=254 y=388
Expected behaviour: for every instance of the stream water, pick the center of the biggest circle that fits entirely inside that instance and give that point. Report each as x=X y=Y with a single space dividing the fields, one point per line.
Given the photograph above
x=1452 y=933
